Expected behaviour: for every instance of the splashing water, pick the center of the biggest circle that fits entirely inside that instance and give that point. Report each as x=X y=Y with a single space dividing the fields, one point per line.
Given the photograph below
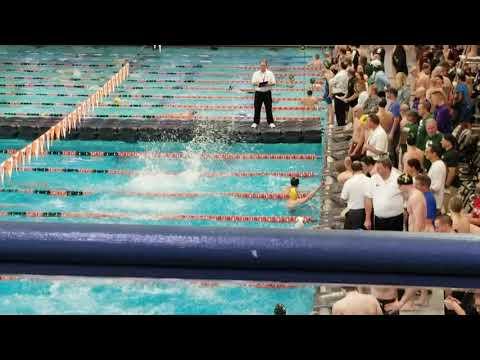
x=206 y=138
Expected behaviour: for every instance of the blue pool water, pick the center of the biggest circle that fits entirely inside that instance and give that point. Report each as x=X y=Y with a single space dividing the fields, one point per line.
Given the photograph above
x=39 y=80
x=42 y=296
x=166 y=175
x=212 y=75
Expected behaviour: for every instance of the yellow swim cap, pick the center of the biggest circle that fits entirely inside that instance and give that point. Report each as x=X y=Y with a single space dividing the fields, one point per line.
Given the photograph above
x=293 y=193
x=363 y=119
x=117 y=101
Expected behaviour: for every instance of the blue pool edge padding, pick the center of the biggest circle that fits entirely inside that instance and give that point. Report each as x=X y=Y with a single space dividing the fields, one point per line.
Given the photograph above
x=185 y=252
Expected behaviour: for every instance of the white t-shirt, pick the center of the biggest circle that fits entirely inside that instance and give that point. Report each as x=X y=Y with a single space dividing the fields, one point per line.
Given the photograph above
x=355 y=190
x=386 y=196
x=378 y=138
x=259 y=77
x=438 y=175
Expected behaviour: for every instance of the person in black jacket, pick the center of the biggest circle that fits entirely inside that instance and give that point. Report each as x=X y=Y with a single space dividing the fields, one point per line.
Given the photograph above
x=399 y=59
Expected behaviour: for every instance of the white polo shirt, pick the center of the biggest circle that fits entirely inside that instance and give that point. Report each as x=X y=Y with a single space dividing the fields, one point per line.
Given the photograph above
x=378 y=138
x=438 y=175
x=386 y=196
x=259 y=77
x=355 y=190
x=339 y=83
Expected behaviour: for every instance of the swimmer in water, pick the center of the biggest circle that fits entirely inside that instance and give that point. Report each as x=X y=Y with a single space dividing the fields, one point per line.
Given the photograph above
x=316 y=85
x=293 y=199
x=291 y=81
x=117 y=101
x=316 y=64
x=280 y=310
x=188 y=115
x=310 y=102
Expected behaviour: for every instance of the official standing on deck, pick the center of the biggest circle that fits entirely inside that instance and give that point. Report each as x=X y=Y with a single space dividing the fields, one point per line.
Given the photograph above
x=263 y=80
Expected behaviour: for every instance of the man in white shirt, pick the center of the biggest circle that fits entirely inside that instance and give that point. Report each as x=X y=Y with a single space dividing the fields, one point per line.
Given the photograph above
x=263 y=80
x=385 y=199
x=377 y=142
x=354 y=192
x=339 y=88
x=437 y=173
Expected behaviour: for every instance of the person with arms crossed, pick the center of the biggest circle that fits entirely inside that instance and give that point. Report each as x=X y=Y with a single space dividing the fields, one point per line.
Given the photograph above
x=377 y=142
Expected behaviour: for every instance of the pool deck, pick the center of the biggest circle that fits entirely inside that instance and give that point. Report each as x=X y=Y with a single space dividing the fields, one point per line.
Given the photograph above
x=131 y=130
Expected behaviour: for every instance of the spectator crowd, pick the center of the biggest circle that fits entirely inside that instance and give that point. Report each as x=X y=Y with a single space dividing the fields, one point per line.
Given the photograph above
x=413 y=161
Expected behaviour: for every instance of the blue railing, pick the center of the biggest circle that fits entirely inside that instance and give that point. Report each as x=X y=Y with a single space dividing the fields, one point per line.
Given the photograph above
x=347 y=257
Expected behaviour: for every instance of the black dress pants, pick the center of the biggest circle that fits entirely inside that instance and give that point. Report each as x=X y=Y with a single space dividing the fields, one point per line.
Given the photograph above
x=263 y=98
x=341 y=108
x=394 y=223
x=354 y=219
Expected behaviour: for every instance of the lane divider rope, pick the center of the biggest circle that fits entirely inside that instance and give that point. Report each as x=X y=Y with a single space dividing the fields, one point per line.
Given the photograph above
x=178 y=73
x=245 y=67
x=138 y=96
x=60 y=130
x=143 y=172
x=223 y=218
x=174 y=106
x=72 y=193
x=261 y=285
x=174 y=116
x=212 y=81
x=218 y=88
x=176 y=155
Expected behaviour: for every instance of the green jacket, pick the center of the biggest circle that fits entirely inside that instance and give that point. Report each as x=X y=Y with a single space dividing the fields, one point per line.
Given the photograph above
x=422 y=133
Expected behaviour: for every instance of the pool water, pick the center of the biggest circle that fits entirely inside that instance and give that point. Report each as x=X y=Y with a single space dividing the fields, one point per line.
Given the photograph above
x=210 y=80
x=43 y=76
x=132 y=194
x=209 y=180
x=76 y=296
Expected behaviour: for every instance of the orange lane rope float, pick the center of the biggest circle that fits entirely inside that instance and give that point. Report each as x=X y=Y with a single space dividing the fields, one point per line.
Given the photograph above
x=56 y=132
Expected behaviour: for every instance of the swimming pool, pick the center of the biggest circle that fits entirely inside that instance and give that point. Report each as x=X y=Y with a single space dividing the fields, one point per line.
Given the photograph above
x=207 y=181
x=192 y=182
x=210 y=180
x=100 y=296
